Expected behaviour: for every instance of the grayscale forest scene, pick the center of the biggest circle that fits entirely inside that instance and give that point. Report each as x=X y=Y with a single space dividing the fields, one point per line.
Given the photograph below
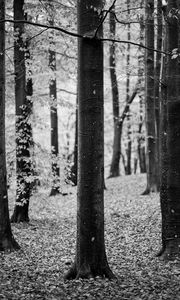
x=89 y=149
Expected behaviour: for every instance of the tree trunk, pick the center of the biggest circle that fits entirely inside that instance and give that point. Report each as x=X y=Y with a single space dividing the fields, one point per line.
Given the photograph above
x=23 y=126
x=114 y=169
x=149 y=94
x=54 y=121
x=7 y=241
x=90 y=258
x=128 y=150
x=157 y=89
x=53 y=107
x=170 y=144
x=73 y=172
x=141 y=59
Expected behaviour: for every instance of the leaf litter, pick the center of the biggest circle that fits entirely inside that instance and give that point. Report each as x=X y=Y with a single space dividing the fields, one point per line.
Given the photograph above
x=133 y=238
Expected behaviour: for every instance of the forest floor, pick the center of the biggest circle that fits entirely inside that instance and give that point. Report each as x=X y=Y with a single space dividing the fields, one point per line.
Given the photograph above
x=133 y=238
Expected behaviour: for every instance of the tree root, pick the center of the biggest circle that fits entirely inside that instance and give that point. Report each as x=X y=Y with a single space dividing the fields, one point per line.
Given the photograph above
x=19 y=218
x=9 y=245
x=55 y=192
x=86 y=272
x=171 y=250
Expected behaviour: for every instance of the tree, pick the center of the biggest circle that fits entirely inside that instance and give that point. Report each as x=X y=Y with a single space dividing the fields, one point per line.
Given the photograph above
x=114 y=169
x=128 y=149
x=157 y=87
x=23 y=125
x=53 y=109
x=149 y=102
x=7 y=241
x=141 y=59
x=90 y=257
x=73 y=172
x=170 y=139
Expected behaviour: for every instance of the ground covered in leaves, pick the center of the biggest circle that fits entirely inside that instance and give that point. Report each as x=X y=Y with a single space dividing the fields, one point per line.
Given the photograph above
x=132 y=236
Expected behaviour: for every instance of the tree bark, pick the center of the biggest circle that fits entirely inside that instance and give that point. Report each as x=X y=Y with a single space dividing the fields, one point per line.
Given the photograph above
x=54 y=122
x=73 y=172
x=114 y=168
x=90 y=258
x=128 y=150
x=23 y=126
x=141 y=140
x=7 y=241
x=170 y=174
x=53 y=109
x=150 y=107
x=157 y=89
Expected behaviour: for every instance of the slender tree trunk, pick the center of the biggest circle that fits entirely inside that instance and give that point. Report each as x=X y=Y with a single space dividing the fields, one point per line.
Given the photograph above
x=90 y=258
x=54 y=122
x=23 y=127
x=129 y=143
x=150 y=107
x=114 y=169
x=53 y=107
x=7 y=241
x=73 y=174
x=170 y=143
x=141 y=140
x=157 y=89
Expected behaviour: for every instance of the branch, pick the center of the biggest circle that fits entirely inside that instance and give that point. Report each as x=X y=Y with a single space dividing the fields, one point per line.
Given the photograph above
x=43 y=26
x=103 y=18
x=126 y=109
x=74 y=34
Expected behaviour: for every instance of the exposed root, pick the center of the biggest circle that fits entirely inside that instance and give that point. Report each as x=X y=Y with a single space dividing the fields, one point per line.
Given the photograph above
x=9 y=245
x=113 y=175
x=86 y=272
x=71 y=274
x=152 y=189
x=160 y=252
x=171 y=251
x=109 y=274
x=146 y=192
x=55 y=192
x=19 y=217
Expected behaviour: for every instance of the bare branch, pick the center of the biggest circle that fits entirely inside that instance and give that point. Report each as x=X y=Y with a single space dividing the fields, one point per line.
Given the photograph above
x=74 y=34
x=104 y=17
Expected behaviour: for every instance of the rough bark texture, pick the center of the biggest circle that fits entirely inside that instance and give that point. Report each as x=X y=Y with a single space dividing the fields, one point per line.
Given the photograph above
x=170 y=175
x=7 y=241
x=149 y=95
x=23 y=126
x=90 y=258
x=114 y=168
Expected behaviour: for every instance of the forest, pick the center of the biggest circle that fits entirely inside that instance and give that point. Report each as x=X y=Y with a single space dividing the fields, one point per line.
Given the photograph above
x=89 y=149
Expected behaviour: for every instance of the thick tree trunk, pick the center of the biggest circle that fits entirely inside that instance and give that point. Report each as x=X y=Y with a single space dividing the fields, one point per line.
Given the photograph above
x=23 y=127
x=114 y=169
x=90 y=258
x=170 y=175
x=7 y=241
x=149 y=94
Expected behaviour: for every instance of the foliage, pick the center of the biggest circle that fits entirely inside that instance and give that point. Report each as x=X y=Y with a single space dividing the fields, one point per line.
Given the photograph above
x=48 y=246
